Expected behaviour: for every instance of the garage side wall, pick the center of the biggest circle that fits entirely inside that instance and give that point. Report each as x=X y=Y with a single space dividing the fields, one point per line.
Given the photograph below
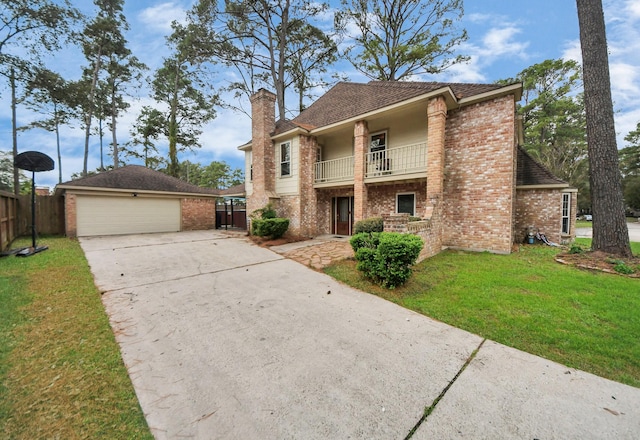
x=541 y=210
x=70 y=215
x=198 y=214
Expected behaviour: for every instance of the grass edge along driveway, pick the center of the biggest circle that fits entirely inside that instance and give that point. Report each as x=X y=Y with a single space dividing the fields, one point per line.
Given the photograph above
x=61 y=373
x=526 y=300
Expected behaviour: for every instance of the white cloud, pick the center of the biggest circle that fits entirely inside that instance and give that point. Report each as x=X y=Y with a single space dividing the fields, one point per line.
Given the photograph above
x=572 y=51
x=624 y=79
x=480 y=18
x=500 y=42
x=625 y=123
x=160 y=16
x=633 y=9
x=497 y=44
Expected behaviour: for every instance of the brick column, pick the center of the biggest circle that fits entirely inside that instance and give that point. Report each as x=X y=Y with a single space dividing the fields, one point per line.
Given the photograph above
x=361 y=135
x=436 y=124
x=263 y=123
x=71 y=215
x=308 y=200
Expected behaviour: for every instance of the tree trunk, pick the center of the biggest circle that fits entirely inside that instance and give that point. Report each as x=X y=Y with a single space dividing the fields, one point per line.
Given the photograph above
x=57 y=124
x=114 y=139
x=14 y=133
x=89 y=115
x=610 y=232
x=173 y=126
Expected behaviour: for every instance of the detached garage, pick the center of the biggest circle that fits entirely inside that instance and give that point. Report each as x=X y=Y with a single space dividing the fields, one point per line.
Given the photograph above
x=133 y=200
x=109 y=215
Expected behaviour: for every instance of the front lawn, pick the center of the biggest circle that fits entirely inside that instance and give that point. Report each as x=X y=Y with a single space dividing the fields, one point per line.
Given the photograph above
x=585 y=320
x=61 y=374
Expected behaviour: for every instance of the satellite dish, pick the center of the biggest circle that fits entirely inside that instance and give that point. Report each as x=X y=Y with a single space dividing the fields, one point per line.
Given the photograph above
x=33 y=161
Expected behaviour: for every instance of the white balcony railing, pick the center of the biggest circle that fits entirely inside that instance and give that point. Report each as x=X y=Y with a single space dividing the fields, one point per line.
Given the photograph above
x=335 y=170
x=397 y=161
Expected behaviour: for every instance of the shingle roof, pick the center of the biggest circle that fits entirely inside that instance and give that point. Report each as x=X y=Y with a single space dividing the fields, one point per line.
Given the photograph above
x=347 y=100
x=139 y=178
x=236 y=191
x=531 y=172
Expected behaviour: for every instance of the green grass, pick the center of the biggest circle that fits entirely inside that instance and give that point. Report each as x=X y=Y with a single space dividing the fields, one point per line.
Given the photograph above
x=585 y=320
x=583 y=224
x=61 y=374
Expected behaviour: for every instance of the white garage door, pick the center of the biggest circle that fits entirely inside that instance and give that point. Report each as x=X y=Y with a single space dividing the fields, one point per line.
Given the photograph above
x=103 y=215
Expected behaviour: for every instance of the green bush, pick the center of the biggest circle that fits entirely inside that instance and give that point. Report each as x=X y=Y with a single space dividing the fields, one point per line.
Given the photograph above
x=264 y=213
x=365 y=239
x=576 y=249
x=373 y=224
x=270 y=227
x=386 y=257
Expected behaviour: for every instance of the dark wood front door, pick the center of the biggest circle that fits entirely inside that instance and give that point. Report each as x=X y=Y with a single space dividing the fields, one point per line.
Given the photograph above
x=343 y=215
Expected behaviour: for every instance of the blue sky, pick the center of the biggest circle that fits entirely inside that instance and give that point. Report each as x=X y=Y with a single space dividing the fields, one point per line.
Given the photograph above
x=505 y=36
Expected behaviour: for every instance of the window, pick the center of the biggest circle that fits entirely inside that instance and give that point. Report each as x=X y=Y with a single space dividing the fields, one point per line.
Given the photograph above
x=566 y=213
x=378 y=142
x=406 y=203
x=285 y=159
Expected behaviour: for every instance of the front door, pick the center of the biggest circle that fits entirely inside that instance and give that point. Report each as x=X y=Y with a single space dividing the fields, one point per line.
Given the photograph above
x=343 y=215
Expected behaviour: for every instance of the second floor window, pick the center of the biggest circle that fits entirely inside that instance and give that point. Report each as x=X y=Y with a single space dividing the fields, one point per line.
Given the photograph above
x=285 y=159
x=378 y=142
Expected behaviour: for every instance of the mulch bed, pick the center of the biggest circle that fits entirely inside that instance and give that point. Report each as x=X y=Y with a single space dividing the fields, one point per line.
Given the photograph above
x=602 y=262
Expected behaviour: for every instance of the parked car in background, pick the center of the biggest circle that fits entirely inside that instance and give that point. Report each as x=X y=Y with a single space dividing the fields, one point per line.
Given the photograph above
x=588 y=217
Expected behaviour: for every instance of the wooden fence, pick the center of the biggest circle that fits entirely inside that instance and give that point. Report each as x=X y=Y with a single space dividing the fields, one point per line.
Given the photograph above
x=15 y=216
x=8 y=219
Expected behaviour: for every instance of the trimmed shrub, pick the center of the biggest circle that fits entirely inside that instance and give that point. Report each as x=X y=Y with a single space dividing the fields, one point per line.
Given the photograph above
x=270 y=227
x=373 y=224
x=386 y=257
x=266 y=212
x=365 y=240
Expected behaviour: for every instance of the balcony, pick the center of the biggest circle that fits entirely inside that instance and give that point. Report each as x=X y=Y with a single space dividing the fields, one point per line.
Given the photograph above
x=334 y=171
x=398 y=163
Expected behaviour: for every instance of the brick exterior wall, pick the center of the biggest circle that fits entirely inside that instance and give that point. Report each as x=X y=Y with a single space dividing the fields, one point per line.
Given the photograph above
x=540 y=210
x=198 y=214
x=289 y=207
x=382 y=198
x=479 y=178
x=70 y=215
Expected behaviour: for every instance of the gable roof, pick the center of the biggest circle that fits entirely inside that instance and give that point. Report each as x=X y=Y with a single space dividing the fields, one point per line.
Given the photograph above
x=137 y=178
x=347 y=100
x=531 y=172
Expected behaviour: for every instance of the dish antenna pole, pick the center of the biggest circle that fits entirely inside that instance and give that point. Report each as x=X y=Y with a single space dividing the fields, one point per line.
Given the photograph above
x=33 y=161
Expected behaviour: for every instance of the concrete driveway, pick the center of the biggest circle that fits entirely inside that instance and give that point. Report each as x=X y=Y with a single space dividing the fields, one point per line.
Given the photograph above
x=227 y=340
x=634 y=232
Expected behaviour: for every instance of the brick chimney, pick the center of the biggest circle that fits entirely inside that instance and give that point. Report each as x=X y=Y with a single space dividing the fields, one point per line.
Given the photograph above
x=263 y=123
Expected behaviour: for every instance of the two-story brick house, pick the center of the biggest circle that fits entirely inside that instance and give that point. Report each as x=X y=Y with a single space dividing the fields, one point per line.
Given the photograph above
x=446 y=153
